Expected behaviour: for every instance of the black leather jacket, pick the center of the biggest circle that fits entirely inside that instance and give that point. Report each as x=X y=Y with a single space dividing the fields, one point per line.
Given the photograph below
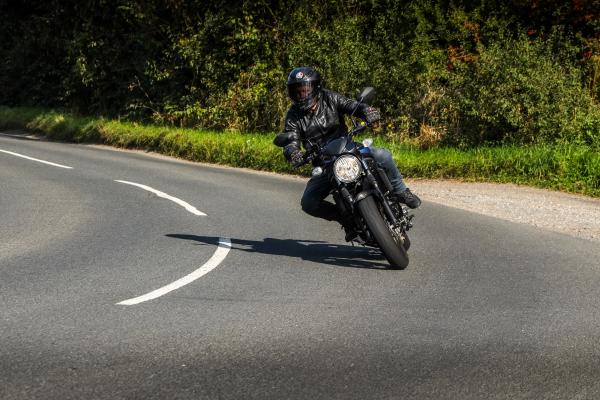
x=323 y=125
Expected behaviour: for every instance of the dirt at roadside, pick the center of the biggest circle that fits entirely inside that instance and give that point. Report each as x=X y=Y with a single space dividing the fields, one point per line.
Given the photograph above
x=572 y=214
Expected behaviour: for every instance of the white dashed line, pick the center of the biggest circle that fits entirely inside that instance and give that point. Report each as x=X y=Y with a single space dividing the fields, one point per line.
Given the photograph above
x=182 y=203
x=212 y=263
x=35 y=159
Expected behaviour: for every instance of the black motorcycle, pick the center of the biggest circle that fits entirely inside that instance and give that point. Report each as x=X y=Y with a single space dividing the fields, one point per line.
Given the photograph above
x=361 y=190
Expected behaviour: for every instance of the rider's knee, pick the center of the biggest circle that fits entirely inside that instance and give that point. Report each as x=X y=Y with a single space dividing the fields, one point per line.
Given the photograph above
x=382 y=155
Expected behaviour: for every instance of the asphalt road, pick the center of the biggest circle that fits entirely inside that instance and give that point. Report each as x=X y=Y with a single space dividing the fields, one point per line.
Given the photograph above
x=486 y=309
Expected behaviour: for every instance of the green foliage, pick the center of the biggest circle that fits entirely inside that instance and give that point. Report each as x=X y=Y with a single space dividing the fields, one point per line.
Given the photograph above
x=18 y=118
x=524 y=91
x=254 y=102
x=455 y=72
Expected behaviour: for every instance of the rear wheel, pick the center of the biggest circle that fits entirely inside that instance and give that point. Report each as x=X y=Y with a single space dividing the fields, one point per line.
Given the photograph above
x=393 y=251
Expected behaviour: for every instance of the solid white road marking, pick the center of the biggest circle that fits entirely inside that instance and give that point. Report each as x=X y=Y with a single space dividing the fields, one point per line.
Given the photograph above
x=35 y=159
x=182 y=203
x=212 y=263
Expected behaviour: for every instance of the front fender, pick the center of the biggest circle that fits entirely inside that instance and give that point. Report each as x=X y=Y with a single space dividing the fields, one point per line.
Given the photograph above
x=362 y=195
x=386 y=207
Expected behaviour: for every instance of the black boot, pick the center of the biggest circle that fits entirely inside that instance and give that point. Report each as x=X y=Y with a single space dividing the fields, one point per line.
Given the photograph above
x=351 y=234
x=409 y=198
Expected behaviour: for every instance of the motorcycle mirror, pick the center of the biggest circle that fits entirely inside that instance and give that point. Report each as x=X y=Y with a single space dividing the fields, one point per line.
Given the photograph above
x=283 y=139
x=366 y=95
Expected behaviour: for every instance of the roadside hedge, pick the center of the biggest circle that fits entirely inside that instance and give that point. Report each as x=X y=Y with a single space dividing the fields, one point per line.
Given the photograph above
x=449 y=73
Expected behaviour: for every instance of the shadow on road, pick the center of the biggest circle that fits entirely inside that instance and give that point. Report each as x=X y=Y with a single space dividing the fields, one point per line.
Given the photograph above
x=309 y=250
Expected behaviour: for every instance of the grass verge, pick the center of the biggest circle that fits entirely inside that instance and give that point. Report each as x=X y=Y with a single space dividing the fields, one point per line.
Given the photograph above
x=571 y=168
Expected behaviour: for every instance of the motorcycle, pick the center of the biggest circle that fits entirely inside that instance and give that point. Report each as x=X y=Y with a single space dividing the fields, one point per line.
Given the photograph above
x=361 y=189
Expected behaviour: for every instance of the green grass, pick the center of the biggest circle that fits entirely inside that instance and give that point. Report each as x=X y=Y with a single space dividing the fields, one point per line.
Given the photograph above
x=569 y=167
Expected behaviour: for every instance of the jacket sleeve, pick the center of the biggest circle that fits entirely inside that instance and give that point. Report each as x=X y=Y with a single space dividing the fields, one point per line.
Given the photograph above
x=291 y=125
x=346 y=105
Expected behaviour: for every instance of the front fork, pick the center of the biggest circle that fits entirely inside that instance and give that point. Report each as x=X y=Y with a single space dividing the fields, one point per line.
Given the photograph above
x=389 y=213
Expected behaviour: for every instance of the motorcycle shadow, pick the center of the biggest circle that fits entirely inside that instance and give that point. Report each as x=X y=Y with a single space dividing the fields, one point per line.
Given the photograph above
x=309 y=250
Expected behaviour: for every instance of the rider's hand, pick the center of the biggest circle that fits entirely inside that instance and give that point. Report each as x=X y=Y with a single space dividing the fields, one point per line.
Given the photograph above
x=296 y=158
x=372 y=115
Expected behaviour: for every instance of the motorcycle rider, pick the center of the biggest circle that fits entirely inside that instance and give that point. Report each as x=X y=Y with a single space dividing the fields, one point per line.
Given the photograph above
x=318 y=113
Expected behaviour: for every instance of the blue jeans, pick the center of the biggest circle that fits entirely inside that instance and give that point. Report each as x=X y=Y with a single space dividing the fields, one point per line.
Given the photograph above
x=318 y=188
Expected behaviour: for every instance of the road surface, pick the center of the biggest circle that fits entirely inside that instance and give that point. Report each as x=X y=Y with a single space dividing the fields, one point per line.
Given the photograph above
x=251 y=299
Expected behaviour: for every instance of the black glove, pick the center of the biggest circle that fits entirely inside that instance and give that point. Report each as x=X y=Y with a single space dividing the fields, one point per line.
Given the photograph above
x=296 y=158
x=372 y=115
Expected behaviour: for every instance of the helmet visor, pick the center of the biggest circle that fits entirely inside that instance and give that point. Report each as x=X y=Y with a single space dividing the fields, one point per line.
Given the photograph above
x=301 y=91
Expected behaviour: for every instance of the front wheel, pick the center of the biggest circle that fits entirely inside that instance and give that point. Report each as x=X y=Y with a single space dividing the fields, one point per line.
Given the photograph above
x=395 y=253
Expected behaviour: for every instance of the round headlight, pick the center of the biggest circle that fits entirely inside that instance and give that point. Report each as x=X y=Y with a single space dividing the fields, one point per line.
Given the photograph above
x=347 y=168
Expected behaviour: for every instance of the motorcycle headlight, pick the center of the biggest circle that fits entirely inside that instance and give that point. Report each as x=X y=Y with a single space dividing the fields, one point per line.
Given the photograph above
x=347 y=168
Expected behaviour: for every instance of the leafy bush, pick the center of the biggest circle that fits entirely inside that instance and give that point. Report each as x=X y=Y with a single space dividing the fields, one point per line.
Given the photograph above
x=254 y=102
x=447 y=72
x=522 y=90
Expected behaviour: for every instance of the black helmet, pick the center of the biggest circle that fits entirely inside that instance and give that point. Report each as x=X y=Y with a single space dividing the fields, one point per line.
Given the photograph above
x=304 y=86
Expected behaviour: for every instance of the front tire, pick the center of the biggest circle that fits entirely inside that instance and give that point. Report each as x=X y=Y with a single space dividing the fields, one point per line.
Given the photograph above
x=395 y=254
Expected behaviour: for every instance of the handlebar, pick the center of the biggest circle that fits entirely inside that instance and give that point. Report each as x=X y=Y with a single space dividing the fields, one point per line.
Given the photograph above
x=357 y=130
x=312 y=154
